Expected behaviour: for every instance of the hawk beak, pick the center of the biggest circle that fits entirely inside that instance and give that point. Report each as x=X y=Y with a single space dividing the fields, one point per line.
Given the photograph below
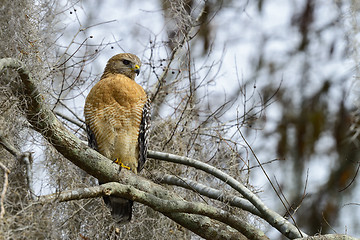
x=137 y=69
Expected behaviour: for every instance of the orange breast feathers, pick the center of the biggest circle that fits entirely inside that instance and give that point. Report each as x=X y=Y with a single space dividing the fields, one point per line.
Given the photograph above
x=113 y=112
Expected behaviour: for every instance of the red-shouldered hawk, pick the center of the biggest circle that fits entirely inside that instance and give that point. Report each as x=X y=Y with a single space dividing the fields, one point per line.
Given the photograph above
x=117 y=117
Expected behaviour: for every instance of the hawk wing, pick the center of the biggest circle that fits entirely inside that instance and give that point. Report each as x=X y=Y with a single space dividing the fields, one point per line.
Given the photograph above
x=144 y=134
x=91 y=138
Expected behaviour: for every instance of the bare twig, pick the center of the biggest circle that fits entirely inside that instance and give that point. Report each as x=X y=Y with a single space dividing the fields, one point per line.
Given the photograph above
x=9 y=147
x=73 y=121
x=25 y=158
x=3 y=192
x=353 y=179
x=272 y=185
x=80 y=121
x=296 y=206
x=162 y=80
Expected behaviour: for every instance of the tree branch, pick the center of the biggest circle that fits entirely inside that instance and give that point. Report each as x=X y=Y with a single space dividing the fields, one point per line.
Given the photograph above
x=212 y=193
x=25 y=158
x=73 y=121
x=328 y=237
x=160 y=205
x=273 y=218
x=3 y=192
x=44 y=121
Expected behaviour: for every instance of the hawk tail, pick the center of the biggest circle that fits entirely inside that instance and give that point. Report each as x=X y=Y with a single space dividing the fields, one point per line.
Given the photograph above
x=121 y=209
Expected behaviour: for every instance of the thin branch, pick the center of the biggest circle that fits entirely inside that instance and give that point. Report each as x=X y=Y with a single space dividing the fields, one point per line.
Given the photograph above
x=3 y=192
x=9 y=147
x=162 y=80
x=80 y=122
x=295 y=207
x=73 y=121
x=353 y=179
x=25 y=158
x=272 y=185
x=212 y=193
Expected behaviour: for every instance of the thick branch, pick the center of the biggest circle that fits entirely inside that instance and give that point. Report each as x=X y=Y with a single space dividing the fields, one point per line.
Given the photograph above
x=273 y=218
x=45 y=122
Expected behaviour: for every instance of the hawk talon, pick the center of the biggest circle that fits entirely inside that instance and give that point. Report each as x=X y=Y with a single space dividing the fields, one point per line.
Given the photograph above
x=123 y=166
x=117 y=161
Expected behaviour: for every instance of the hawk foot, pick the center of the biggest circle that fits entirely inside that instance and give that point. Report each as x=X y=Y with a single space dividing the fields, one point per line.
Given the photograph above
x=118 y=161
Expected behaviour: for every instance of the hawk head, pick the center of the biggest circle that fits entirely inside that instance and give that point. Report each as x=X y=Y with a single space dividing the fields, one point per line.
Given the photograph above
x=123 y=63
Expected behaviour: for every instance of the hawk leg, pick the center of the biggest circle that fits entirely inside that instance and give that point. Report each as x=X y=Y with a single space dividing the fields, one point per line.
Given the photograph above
x=118 y=161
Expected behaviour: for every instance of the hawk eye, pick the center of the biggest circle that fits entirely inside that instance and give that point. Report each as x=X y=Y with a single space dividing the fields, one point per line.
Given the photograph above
x=126 y=62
